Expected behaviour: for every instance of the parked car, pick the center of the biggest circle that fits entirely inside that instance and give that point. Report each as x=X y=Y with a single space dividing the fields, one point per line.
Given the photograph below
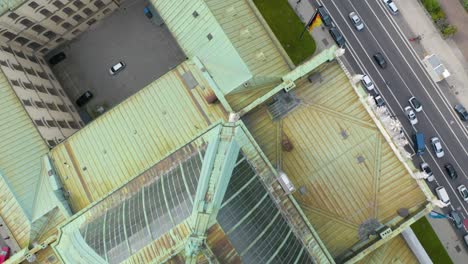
x=463 y=192
x=451 y=172
x=367 y=82
x=461 y=111
x=425 y=168
x=456 y=219
x=356 y=20
x=391 y=6
x=84 y=99
x=147 y=12
x=118 y=67
x=326 y=18
x=411 y=115
x=4 y=254
x=437 y=146
x=379 y=58
x=337 y=37
x=379 y=101
x=466 y=239
x=57 y=58
x=415 y=104
x=442 y=194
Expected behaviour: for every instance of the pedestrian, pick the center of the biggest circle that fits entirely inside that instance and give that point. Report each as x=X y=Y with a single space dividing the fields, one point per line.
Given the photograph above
x=298 y=1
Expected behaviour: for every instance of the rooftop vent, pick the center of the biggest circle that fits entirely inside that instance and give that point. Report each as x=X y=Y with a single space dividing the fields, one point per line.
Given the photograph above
x=283 y=102
x=360 y=159
x=195 y=14
x=209 y=36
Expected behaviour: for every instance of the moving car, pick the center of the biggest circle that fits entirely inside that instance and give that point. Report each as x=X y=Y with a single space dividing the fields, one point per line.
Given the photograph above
x=456 y=219
x=379 y=58
x=461 y=111
x=367 y=83
x=326 y=18
x=391 y=6
x=379 y=101
x=117 y=68
x=437 y=146
x=451 y=172
x=57 y=58
x=411 y=115
x=425 y=168
x=415 y=104
x=442 y=195
x=337 y=37
x=84 y=99
x=4 y=254
x=463 y=192
x=356 y=20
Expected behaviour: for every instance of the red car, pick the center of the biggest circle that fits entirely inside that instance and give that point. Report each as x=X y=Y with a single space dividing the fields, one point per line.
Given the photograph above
x=5 y=254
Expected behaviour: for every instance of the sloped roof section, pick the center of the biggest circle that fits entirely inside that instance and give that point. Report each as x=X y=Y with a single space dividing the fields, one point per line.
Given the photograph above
x=21 y=148
x=199 y=34
x=6 y=5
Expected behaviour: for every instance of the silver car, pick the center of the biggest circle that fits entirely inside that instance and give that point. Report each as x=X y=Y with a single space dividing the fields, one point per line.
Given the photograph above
x=356 y=20
x=463 y=192
x=437 y=146
x=367 y=83
x=411 y=115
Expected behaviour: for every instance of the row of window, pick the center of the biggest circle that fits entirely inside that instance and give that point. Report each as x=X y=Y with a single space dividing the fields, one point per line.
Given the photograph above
x=30 y=71
x=38 y=87
x=70 y=124
x=50 y=106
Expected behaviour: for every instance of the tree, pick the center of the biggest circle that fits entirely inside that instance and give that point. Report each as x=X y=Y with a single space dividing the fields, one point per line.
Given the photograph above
x=449 y=30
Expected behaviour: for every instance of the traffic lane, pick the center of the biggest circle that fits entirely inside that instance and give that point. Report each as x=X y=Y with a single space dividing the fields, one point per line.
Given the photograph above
x=429 y=88
x=406 y=76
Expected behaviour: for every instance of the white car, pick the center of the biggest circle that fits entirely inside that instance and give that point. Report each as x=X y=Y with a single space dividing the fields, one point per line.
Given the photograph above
x=425 y=168
x=437 y=146
x=391 y=6
x=415 y=104
x=411 y=115
x=367 y=83
x=117 y=68
x=463 y=192
x=357 y=22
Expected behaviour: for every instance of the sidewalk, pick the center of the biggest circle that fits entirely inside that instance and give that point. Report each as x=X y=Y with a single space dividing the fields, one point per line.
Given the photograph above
x=455 y=246
x=456 y=15
x=413 y=21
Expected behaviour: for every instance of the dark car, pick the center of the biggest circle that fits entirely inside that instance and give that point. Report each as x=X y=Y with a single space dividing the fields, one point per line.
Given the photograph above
x=57 y=58
x=84 y=99
x=452 y=173
x=326 y=18
x=461 y=111
x=337 y=37
x=379 y=58
x=379 y=101
x=456 y=219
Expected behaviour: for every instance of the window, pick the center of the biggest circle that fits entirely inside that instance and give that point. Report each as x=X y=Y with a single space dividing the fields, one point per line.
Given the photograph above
x=67 y=25
x=34 y=45
x=21 y=40
x=52 y=91
x=13 y=15
x=88 y=11
x=15 y=82
x=39 y=104
x=106 y=11
x=99 y=4
x=20 y=54
x=41 y=88
x=78 y=4
x=28 y=85
x=73 y=124
x=51 y=123
x=44 y=51
x=91 y=21
x=7 y=49
x=52 y=106
x=26 y=22
x=51 y=144
x=59 y=40
x=58 y=4
x=38 y=29
x=62 y=124
x=17 y=67
x=50 y=34
x=62 y=108
x=33 y=5
x=3 y=63
x=39 y=122
x=76 y=32
x=68 y=11
x=27 y=102
x=45 y=12
x=30 y=71
x=56 y=19
x=33 y=59
x=43 y=75
x=9 y=35
x=78 y=18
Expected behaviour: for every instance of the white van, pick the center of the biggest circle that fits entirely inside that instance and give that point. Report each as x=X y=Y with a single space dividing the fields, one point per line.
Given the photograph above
x=442 y=194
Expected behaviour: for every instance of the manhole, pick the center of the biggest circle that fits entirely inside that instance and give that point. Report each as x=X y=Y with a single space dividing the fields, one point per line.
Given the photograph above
x=344 y=134
x=325 y=42
x=458 y=249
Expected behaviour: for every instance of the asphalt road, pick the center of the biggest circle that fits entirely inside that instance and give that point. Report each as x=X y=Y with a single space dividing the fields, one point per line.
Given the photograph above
x=405 y=77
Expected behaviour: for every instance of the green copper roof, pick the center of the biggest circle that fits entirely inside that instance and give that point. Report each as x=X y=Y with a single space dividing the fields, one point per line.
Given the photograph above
x=21 y=149
x=6 y=5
